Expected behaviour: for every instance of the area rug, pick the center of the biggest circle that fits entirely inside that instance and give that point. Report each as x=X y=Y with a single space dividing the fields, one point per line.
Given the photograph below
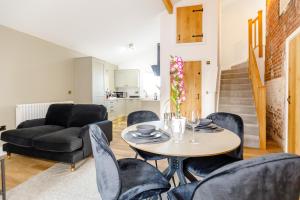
x=59 y=183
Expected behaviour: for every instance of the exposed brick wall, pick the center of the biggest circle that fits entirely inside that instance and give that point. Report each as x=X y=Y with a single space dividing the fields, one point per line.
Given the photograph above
x=279 y=27
x=275 y=109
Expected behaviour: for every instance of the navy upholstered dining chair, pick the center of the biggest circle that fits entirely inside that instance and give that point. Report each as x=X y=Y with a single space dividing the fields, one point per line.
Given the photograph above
x=271 y=177
x=202 y=166
x=123 y=179
x=140 y=117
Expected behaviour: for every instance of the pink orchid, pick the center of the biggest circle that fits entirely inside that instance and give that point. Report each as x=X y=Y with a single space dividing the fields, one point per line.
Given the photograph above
x=177 y=81
x=179 y=61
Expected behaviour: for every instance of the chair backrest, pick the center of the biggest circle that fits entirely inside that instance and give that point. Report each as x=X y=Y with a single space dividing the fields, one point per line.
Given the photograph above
x=107 y=168
x=275 y=176
x=141 y=116
x=233 y=123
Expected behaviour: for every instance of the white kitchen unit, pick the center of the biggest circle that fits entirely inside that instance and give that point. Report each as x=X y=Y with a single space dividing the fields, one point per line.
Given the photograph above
x=151 y=105
x=122 y=107
x=89 y=80
x=132 y=105
x=109 y=76
x=127 y=78
x=115 y=108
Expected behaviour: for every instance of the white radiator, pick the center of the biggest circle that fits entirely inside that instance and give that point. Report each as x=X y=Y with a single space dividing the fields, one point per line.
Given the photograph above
x=33 y=111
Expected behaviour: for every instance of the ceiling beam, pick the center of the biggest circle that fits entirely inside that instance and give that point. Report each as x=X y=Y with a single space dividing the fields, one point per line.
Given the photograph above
x=169 y=6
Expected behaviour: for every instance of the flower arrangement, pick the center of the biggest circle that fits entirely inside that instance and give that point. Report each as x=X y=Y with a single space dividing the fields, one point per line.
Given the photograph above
x=177 y=83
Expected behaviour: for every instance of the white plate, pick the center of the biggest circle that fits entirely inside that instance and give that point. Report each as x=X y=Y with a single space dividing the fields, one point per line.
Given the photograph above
x=153 y=135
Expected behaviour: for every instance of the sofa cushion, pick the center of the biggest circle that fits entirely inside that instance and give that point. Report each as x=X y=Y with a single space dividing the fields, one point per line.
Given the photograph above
x=23 y=137
x=66 y=140
x=58 y=114
x=87 y=114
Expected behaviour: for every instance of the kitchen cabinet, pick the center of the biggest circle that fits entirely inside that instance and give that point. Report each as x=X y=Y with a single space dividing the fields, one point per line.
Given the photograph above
x=189 y=24
x=89 y=77
x=132 y=105
x=117 y=108
x=127 y=78
x=151 y=105
x=109 y=76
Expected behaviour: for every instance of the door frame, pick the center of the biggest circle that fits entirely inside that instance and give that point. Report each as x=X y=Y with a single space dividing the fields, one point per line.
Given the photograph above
x=286 y=76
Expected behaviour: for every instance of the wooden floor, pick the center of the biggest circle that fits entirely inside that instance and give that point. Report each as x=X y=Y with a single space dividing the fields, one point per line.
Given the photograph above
x=20 y=168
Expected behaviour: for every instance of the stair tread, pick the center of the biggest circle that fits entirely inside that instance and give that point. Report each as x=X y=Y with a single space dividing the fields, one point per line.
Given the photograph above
x=251 y=125
x=232 y=84
x=226 y=90
x=236 y=67
x=235 y=70
x=235 y=74
x=249 y=115
x=248 y=106
x=234 y=79
x=240 y=66
x=242 y=98
x=251 y=136
x=233 y=113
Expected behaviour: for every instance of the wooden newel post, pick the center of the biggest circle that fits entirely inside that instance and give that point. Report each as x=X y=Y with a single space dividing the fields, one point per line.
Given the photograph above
x=250 y=35
x=250 y=38
x=260 y=33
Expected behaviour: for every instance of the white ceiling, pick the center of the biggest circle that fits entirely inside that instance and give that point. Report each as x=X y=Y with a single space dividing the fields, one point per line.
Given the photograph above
x=100 y=28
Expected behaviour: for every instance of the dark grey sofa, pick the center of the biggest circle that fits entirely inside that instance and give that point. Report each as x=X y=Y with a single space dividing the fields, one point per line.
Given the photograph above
x=62 y=136
x=271 y=177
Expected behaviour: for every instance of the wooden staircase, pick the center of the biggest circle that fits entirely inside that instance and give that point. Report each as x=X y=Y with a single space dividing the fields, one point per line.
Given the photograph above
x=243 y=92
x=236 y=97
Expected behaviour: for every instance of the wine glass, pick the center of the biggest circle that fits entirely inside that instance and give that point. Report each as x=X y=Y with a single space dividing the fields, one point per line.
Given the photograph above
x=167 y=121
x=193 y=120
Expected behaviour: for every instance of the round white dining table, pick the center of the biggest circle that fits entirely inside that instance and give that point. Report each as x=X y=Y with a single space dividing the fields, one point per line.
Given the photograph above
x=209 y=144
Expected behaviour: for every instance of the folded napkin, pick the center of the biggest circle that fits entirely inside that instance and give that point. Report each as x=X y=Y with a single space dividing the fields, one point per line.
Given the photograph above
x=211 y=128
x=202 y=130
x=131 y=136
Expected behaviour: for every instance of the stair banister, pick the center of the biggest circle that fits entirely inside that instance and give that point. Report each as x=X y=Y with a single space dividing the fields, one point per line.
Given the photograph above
x=259 y=89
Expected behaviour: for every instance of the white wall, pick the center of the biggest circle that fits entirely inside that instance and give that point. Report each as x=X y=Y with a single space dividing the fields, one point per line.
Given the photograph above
x=32 y=71
x=204 y=51
x=234 y=29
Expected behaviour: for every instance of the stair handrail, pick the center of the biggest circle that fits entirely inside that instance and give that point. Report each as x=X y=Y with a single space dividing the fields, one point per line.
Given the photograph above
x=256 y=33
x=259 y=89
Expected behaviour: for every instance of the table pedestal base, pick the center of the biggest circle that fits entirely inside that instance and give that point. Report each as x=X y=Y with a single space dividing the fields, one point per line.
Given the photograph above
x=175 y=166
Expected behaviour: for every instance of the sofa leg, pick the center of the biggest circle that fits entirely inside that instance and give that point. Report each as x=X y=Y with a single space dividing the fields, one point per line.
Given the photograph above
x=72 y=167
x=8 y=155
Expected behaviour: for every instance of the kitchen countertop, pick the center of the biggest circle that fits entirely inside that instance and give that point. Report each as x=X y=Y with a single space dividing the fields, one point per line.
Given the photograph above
x=128 y=98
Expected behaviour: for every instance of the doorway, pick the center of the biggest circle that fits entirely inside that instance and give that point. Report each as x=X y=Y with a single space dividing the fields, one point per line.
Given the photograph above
x=192 y=85
x=294 y=96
